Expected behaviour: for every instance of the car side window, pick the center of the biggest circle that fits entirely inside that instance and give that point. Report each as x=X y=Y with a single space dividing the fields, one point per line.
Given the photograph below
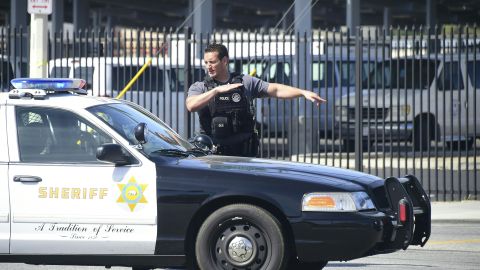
x=58 y=136
x=323 y=76
x=450 y=77
x=474 y=73
x=348 y=72
x=279 y=73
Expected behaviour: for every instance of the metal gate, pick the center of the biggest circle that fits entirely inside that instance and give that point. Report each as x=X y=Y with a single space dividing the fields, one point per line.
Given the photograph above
x=400 y=101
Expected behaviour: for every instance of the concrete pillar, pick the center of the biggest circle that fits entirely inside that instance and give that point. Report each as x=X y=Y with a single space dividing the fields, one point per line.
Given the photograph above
x=80 y=14
x=18 y=11
x=431 y=9
x=202 y=22
x=58 y=17
x=303 y=25
x=302 y=78
x=387 y=17
x=38 y=46
x=203 y=16
x=353 y=15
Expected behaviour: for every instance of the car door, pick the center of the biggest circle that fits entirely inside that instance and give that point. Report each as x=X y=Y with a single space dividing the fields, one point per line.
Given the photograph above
x=473 y=98
x=65 y=201
x=451 y=95
x=4 y=194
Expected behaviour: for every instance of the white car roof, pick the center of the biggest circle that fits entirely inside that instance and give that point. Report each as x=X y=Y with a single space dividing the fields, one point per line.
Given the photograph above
x=63 y=100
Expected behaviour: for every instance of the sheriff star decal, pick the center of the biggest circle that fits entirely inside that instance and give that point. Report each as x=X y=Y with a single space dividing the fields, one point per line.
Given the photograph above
x=132 y=193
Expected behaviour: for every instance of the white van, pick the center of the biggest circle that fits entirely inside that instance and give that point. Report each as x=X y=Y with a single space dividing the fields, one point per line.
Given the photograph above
x=330 y=80
x=160 y=89
x=418 y=99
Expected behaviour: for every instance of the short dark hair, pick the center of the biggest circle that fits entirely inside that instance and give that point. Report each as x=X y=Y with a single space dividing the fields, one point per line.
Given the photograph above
x=219 y=48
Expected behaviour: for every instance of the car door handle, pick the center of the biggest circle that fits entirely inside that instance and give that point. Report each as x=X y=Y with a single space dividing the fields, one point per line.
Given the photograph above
x=26 y=179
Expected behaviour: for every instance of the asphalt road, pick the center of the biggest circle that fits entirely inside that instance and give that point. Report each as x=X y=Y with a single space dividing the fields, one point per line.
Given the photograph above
x=453 y=245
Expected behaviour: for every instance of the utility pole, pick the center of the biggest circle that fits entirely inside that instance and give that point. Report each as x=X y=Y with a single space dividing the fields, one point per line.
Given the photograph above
x=39 y=11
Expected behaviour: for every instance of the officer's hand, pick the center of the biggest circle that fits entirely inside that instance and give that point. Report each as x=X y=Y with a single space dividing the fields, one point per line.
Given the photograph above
x=314 y=97
x=227 y=87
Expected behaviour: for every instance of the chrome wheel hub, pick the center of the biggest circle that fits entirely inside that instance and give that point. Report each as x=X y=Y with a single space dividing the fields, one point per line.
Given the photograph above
x=240 y=249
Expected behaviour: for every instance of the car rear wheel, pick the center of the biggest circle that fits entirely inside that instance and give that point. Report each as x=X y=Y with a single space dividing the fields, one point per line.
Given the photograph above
x=348 y=145
x=424 y=131
x=241 y=236
x=460 y=145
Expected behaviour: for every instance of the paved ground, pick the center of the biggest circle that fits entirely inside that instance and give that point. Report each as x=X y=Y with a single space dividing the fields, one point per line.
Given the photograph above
x=456 y=211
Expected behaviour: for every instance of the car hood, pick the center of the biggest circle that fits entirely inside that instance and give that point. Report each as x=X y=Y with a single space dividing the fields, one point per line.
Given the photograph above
x=279 y=169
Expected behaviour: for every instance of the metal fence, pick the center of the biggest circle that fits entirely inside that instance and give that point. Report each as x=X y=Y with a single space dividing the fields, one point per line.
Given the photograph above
x=400 y=101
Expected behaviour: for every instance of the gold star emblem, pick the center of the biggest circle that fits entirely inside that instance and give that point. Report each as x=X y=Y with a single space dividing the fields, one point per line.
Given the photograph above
x=132 y=193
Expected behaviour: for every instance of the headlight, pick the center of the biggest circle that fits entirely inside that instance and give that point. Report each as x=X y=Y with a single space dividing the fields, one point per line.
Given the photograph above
x=337 y=202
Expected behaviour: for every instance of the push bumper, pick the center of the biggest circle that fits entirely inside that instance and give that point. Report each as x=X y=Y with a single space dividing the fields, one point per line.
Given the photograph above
x=346 y=236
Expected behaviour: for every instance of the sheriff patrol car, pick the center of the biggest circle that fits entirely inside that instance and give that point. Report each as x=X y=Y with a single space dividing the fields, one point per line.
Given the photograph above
x=97 y=181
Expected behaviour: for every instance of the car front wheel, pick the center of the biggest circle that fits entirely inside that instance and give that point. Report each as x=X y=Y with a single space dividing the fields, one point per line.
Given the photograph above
x=241 y=236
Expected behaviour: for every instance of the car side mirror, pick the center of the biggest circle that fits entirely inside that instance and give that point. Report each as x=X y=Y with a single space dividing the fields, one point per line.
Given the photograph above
x=113 y=153
x=140 y=132
x=203 y=141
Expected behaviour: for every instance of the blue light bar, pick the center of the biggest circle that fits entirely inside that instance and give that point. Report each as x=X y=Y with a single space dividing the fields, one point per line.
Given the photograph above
x=53 y=84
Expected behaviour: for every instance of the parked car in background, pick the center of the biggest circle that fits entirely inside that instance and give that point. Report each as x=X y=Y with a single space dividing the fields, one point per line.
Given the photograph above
x=417 y=99
x=11 y=67
x=332 y=77
x=6 y=73
x=160 y=89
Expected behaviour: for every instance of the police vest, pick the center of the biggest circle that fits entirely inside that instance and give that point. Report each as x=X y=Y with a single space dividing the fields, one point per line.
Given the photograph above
x=228 y=115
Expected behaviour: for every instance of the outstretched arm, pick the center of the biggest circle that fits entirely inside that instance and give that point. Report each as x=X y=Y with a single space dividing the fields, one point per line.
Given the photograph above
x=195 y=103
x=288 y=92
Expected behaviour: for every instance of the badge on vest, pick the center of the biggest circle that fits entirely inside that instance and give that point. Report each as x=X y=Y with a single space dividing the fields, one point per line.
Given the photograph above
x=236 y=97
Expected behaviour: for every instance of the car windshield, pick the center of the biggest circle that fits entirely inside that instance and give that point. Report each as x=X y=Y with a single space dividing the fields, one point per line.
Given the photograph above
x=124 y=117
x=406 y=74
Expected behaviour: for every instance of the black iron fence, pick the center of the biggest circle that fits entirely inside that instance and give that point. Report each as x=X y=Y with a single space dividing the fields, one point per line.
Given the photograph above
x=400 y=101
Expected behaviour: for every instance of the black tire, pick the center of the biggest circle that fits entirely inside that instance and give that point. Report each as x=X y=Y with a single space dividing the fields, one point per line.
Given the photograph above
x=348 y=146
x=423 y=133
x=295 y=265
x=248 y=225
x=460 y=146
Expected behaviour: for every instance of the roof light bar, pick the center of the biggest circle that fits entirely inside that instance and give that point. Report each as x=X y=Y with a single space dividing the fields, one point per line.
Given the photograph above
x=51 y=84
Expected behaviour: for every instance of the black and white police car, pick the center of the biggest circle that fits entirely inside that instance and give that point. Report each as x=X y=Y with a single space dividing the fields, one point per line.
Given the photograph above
x=99 y=181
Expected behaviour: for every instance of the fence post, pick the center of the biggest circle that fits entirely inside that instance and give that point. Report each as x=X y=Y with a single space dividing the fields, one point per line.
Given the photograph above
x=358 y=101
x=187 y=118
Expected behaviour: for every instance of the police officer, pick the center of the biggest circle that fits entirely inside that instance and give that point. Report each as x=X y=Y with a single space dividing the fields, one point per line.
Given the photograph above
x=224 y=103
